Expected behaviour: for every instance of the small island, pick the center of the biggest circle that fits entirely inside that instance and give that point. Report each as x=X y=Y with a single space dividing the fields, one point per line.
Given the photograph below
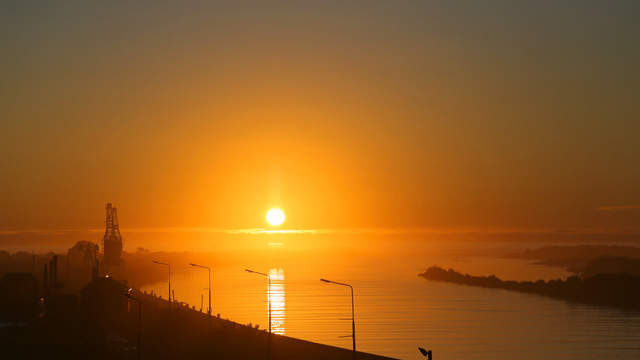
x=620 y=290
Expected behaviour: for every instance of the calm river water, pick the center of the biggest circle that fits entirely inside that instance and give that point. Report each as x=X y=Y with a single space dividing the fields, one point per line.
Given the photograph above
x=397 y=311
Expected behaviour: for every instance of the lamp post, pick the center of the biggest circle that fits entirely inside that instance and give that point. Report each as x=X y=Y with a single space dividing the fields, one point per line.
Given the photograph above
x=169 y=266
x=209 y=269
x=128 y=295
x=353 y=318
x=425 y=353
x=269 y=301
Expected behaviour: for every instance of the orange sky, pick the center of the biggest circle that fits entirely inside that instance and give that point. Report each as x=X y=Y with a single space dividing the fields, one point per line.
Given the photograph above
x=345 y=116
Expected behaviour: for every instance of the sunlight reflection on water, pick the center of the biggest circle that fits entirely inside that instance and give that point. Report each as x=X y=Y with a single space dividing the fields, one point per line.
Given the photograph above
x=396 y=311
x=276 y=296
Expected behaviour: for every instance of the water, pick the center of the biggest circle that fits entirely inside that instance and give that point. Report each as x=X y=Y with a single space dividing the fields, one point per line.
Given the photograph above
x=397 y=311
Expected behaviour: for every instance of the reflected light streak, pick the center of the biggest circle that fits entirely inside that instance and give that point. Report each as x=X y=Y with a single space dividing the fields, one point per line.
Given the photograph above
x=277 y=297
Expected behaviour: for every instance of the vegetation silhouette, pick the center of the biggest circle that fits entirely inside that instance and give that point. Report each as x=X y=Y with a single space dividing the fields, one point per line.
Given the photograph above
x=620 y=290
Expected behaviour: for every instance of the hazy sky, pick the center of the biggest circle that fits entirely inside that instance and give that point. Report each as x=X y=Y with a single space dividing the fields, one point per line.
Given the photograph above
x=430 y=114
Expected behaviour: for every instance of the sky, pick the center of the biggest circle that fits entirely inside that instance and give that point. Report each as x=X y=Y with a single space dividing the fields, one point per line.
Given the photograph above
x=360 y=114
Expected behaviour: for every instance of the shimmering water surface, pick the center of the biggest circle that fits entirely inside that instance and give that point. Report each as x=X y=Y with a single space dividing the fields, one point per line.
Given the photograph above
x=397 y=311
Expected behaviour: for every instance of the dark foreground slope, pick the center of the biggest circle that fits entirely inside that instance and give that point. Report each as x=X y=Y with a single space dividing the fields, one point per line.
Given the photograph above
x=194 y=334
x=101 y=323
x=617 y=290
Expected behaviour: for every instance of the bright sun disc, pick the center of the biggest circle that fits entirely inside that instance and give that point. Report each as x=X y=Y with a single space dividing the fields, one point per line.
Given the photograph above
x=275 y=217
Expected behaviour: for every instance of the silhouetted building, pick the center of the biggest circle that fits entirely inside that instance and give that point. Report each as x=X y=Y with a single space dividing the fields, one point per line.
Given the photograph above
x=50 y=284
x=82 y=261
x=18 y=297
x=105 y=301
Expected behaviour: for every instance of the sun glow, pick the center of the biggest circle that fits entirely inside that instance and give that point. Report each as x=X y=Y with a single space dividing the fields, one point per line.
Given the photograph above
x=275 y=217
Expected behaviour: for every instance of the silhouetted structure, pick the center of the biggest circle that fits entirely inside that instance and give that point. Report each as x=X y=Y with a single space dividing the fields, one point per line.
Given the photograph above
x=170 y=293
x=101 y=325
x=269 y=300
x=112 y=241
x=50 y=277
x=104 y=302
x=353 y=316
x=139 y=336
x=18 y=297
x=98 y=322
x=425 y=353
x=82 y=263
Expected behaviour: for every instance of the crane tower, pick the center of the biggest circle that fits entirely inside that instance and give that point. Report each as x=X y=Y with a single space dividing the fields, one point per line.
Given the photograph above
x=112 y=241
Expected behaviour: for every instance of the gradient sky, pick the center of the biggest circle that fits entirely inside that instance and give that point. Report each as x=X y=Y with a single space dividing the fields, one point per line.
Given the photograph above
x=393 y=114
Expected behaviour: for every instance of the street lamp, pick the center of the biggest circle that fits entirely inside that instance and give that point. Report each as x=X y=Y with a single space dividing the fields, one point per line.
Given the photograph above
x=128 y=295
x=269 y=301
x=353 y=321
x=425 y=353
x=209 y=269
x=169 y=266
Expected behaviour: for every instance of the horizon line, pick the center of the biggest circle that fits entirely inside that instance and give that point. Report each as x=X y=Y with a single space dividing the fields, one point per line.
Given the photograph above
x=355 y=230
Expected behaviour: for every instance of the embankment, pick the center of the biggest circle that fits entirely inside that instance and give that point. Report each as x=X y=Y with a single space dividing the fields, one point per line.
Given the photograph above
x=186 y=332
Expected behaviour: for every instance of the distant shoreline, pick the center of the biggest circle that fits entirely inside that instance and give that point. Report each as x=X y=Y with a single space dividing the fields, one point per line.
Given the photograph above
x=614 y=290
x=576 y=258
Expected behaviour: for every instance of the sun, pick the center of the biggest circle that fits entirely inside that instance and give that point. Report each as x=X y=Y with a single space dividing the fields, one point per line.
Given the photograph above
x=275 y=217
